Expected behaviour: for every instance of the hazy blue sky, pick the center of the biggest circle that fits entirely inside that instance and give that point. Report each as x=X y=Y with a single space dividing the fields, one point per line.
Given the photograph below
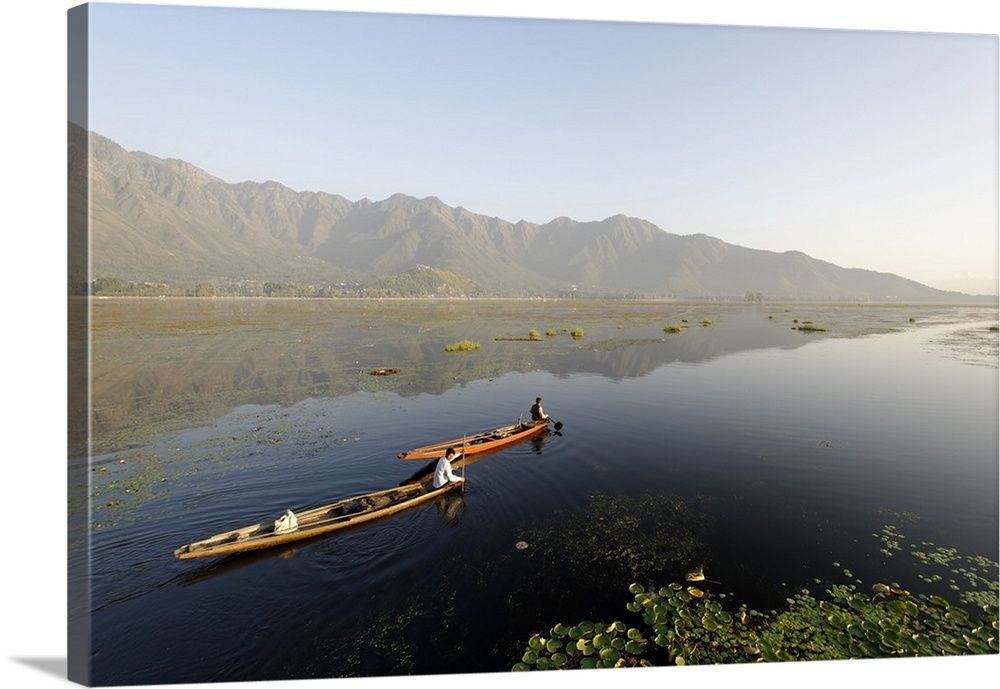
x=868 y=149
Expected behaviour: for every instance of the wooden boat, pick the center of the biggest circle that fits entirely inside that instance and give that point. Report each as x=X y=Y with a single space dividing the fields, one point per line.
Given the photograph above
x=319 y=520
x=480 y=442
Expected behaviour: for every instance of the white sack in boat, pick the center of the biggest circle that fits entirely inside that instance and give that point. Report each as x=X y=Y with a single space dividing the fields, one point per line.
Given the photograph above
x=286 y=522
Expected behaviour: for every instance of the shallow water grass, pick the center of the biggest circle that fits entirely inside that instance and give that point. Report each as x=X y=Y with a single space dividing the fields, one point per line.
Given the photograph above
x=462 y=346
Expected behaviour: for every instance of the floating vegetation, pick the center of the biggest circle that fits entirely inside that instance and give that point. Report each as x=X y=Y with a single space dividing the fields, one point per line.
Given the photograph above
x=610 y=543
x=685 y=625
x=936 y=564
x=550 y=333
x=810 y=327
x=385 y=371
x=706 y=322
x=533 y=336
x=577 y=333
x=674 y=329
x=462 y=346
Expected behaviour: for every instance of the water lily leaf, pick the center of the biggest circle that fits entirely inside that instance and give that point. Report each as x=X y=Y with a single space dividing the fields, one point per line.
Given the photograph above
x=610 y=655
x=958 y=615
x=634 y=647
x=898 y=607
x=695 y=592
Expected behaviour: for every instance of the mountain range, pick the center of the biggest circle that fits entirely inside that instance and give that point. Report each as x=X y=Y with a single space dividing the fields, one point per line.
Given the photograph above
x=166 y=221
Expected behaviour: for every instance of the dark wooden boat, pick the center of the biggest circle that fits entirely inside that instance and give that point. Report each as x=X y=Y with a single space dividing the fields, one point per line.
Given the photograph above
x=317 y=521
x=480 y=442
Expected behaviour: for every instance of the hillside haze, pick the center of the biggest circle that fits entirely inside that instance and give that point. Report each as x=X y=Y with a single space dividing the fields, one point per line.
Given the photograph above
x=166 y=221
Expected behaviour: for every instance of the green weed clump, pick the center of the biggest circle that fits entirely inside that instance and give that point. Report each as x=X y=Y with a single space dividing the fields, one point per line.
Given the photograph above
x=810 y=327
x=706 y=322
x=550 y=333
x=534 y=335
x=462 y=346
x=577 y=333
x=673 y=328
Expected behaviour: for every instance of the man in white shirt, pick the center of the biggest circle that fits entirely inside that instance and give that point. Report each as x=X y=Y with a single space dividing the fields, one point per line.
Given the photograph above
x=443 y=473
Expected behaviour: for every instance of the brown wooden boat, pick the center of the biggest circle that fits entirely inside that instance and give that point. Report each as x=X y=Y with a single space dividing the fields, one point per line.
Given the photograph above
x=480 y=442
x=317 y=521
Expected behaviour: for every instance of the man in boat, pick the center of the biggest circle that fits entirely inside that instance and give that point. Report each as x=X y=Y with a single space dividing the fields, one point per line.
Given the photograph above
x=537 y=415
x=442 y=472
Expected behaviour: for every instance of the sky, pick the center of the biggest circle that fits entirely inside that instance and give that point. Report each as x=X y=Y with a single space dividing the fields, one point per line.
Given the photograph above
x=873 y=147
x=868 y=149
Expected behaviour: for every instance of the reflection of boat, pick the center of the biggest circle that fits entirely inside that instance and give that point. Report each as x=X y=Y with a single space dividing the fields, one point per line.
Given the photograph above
x=319 y=520
x=480 y=442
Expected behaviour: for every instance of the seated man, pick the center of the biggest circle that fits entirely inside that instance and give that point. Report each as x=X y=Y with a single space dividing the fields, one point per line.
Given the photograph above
x=537 y=414
x=442 y=472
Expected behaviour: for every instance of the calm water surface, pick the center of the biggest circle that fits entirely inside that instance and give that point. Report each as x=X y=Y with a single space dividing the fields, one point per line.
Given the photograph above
x=739 y=447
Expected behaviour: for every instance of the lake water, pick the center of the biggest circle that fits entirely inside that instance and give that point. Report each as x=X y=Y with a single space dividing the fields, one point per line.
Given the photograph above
x=774 y=458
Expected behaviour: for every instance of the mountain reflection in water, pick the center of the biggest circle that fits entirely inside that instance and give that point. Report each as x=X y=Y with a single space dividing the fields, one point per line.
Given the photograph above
x=160 y=365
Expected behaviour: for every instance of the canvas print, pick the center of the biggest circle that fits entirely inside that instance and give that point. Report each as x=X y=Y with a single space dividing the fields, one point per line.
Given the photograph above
x=408 y=345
